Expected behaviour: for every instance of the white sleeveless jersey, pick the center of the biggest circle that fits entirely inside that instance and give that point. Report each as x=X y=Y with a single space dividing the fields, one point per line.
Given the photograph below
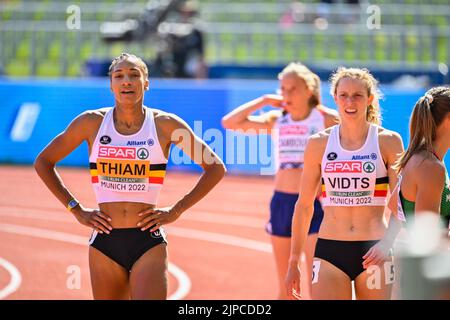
x=127 y=168
x=293 y=136
x=354 y=178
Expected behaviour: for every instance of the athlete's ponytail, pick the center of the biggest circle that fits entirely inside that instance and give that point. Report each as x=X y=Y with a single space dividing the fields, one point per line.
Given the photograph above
x=427 y=115
x=315 y=99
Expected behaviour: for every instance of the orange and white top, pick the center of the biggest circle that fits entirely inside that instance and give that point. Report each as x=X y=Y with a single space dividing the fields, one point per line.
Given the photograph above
x=354 y=177
x=127 y=168
x=293 y=137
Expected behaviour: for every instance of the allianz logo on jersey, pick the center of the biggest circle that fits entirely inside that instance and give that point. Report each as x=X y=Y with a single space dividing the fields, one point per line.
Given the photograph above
x=148 y=142
x=372 y=156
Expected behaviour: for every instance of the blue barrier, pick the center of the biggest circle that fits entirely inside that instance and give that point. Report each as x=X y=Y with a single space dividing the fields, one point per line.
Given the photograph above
x=99 y=68
x=384 y=75
x=33 y=112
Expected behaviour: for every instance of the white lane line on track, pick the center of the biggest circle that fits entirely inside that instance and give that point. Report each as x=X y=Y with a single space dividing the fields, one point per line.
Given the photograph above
x=34 y=213
x=220 y=238
x=184 y=283
x=15 y=281
x=235 y=220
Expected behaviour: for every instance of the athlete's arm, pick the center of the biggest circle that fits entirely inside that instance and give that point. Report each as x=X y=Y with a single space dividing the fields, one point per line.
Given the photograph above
x=431 y=177
x=241 y=118
x=61 y=146
x=391 y=147
x=304 y=209
x=393 y=201
x=331 y=116
x=182 y=136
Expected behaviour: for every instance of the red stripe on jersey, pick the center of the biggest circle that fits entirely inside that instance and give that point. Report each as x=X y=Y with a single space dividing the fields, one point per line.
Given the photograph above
x=156 y=180
x=380 y=193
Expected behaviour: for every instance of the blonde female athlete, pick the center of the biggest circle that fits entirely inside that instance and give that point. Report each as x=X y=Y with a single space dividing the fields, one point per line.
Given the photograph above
x=352 y=161
x=128 y=150
x=300 y=115
x=424 y=185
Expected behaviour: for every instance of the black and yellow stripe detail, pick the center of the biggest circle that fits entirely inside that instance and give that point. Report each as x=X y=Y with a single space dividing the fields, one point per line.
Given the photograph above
x=155 y=175
x=381 y=187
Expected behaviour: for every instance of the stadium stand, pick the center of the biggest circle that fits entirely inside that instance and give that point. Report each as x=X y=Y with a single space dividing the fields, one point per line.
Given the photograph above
x=412 y=35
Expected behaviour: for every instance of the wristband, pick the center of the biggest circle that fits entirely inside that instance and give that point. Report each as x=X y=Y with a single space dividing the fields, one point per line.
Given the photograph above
x=72 y=204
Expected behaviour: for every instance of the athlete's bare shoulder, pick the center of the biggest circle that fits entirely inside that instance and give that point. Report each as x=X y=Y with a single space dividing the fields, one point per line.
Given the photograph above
x=93 y=115
x=427 y=168
x=167 y=122
x=389 y=138
x=426 y=162
x=88 y=121
x=384 y=133
x=331 y=116
x=327 y=111
x=320 y=139
x=164 y=117
x=324 y=134
x=391 y=145
x=159 y=112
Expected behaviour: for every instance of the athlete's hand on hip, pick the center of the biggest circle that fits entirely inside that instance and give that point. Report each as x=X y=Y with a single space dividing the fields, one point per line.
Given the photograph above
x=376 y=255
x=156 y=217
x=292 y=281
x=274 y=100
x=93 y=218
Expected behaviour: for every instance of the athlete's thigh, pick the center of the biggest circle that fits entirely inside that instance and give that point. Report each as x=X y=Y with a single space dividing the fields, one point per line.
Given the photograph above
x=376 y=282
x=307 y=266
x=281 y=250
x=329 y=282
x=148 y=277
x=109 y=280
x=311 y=241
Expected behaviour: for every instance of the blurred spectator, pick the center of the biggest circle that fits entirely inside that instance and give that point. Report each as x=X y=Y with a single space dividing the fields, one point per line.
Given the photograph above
x=326 y=8
x=181 y=54
x=322 y=14
x=295 y=14
x=407 y=81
